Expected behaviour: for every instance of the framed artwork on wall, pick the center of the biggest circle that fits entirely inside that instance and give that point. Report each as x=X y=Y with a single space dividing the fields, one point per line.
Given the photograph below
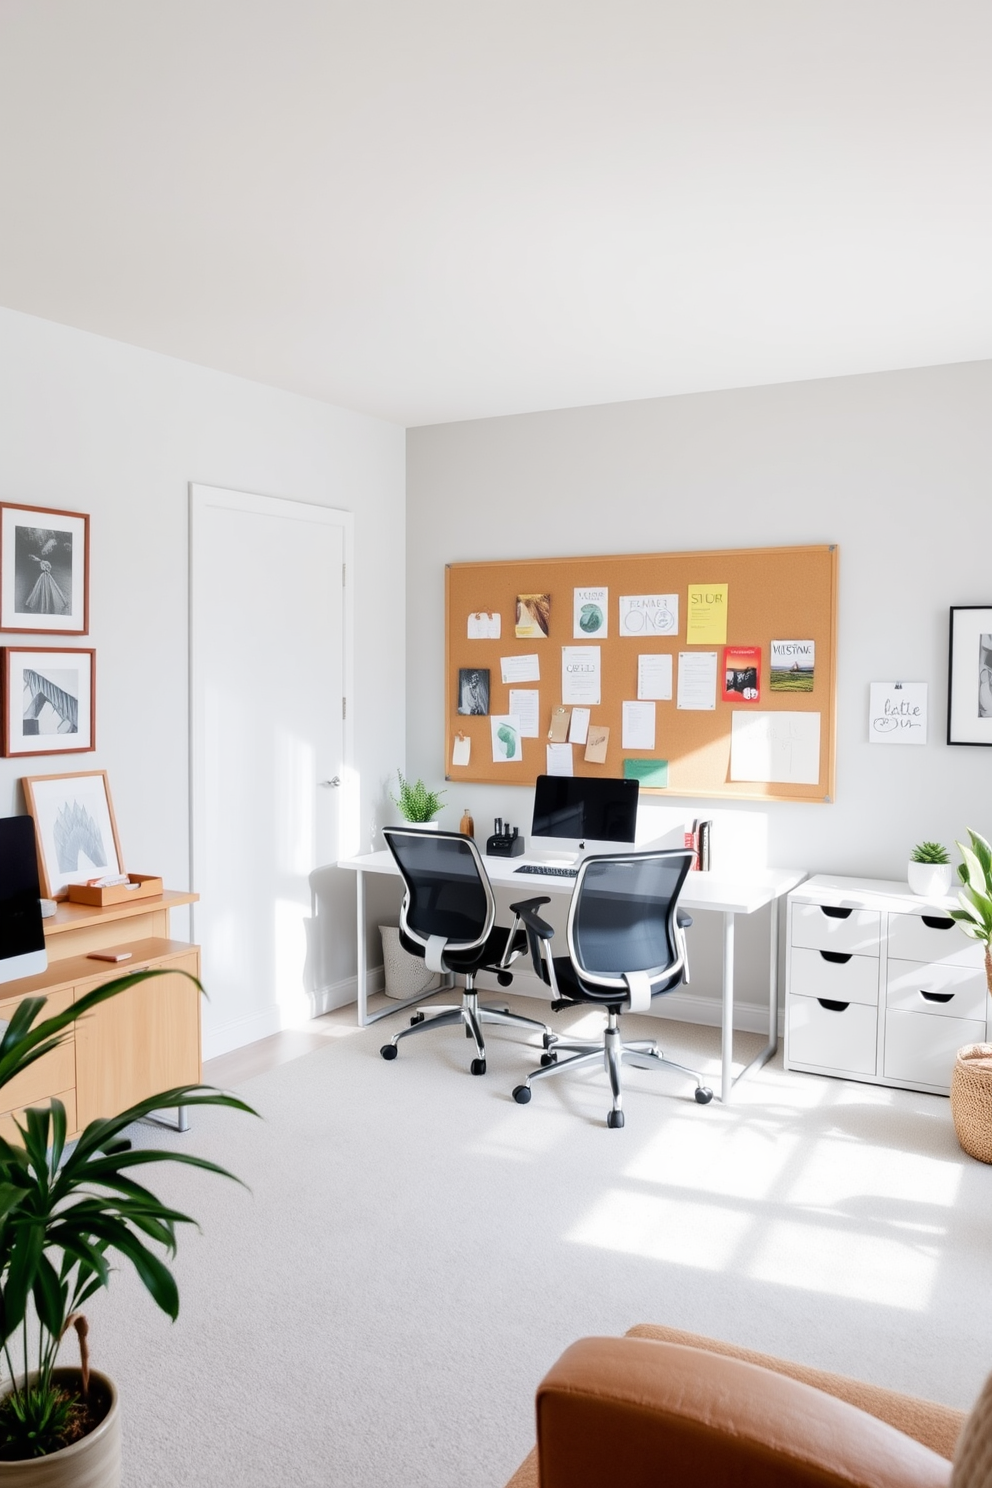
x=49 y=701
x=44 y=570
x=969 y=675
x=75 y=826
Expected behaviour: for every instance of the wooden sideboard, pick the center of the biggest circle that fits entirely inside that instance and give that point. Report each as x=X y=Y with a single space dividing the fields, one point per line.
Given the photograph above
x=142 y=1041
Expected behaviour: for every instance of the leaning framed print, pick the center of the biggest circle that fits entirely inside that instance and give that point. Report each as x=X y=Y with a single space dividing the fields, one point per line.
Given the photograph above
x=75 y=827
x=969 y=676
x=48 y=701
x=44 y=570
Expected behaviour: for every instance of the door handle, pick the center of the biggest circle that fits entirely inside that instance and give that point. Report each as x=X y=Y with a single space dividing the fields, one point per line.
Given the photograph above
x=331 y=783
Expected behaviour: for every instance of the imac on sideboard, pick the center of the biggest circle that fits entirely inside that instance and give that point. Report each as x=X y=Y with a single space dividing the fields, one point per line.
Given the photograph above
x=22 y=935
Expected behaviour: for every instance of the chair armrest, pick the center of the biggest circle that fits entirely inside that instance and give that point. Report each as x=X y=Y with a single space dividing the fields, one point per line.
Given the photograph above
x=684 y=918
x=527 y=910
x=633 y=1412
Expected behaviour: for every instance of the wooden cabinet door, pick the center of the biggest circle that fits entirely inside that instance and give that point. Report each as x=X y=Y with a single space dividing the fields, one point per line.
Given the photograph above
x=142 y=1041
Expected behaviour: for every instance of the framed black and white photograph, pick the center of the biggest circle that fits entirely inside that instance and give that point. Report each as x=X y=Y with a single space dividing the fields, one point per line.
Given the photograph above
x=44 y=570
x=969 y=682
x=473 y=691
x=48 y=701
x=76 y=829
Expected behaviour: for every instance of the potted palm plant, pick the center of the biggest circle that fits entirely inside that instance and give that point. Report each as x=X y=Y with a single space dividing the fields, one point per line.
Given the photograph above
x=65 y=1210
x=418 y=805
x=971 y=1080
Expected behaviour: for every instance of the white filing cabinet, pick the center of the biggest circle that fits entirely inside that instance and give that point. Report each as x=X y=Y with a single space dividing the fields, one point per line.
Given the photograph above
x=881 y=985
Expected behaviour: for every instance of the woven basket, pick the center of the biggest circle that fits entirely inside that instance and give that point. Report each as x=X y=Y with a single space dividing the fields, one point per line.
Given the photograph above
x=971 y=1100
x=406 y=975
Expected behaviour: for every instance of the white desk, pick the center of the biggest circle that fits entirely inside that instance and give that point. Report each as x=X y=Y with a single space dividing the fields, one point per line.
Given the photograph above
x=726 y=894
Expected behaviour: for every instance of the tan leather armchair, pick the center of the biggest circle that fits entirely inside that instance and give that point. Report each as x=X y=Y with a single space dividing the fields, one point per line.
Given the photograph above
x=661 y=1409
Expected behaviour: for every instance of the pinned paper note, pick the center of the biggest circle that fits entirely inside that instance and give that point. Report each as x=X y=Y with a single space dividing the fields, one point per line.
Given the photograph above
x=653 y=774
x=580 y=674
x=697 y=680
x=791 y=667
x=484 y=626
x=558 y=732
x=775 y=748
x=654 y=678
x=520 y=668
x=897 y=713
x=638 y=726
x=461 y=751
x=506 y=738
x=648 y=615
x=525 y=703
x=597 y=744
x=533 y=617
x=559 y=759
x=590 y=613
x=706 y=620
x=579 y=727
x=741 y=674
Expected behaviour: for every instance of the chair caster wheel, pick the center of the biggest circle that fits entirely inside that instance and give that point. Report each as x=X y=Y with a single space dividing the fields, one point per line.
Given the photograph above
x=615 y=1118
x=547 y=1059
x=504 y=978
x=546 y=1040
x=703 y=1095
x=521 y=1094
x=417 y=1018
x=478 y=1066
x=389 y=1051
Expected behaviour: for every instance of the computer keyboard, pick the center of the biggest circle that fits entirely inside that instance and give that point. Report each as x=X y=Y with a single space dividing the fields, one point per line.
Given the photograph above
x=546 y=871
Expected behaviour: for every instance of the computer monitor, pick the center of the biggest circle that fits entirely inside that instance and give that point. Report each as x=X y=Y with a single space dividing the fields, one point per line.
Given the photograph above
x=575 y=815
x=22 y=935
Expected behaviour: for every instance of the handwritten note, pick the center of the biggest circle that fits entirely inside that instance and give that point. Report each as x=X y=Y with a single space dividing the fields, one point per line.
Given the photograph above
x=525 y=703
x=484 y=626
x=897 y=713
x=520 y=668
x=648 y=615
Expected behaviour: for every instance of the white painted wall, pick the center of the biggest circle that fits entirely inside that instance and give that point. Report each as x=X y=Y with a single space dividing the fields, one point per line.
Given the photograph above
x=895 y=467
x=92 y=425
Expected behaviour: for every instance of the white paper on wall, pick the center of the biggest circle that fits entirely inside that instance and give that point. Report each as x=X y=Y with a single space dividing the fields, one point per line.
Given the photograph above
x=897 y=713
x=775 y=748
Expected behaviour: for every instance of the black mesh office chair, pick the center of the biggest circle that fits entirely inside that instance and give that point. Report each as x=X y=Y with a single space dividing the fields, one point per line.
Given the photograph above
x=626 y=946
x=448 y=917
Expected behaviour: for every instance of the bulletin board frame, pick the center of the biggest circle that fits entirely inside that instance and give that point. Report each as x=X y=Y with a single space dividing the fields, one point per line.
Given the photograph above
x=779 y=594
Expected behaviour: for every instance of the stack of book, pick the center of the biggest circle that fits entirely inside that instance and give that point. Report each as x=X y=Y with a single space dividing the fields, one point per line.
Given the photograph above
x=697 y=838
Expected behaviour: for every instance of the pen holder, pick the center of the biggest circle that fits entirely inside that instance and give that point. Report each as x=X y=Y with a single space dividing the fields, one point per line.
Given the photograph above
x=504 y=846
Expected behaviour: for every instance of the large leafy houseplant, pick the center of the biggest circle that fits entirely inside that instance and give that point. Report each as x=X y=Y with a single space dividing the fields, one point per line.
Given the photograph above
x=64 y=1212
x=975 y=895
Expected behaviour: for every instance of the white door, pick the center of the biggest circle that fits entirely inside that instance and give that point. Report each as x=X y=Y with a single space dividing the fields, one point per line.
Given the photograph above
x=267 y=702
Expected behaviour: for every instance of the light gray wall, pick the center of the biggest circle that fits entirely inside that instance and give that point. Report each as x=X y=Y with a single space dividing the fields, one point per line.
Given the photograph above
x=91 y=425
x=896 y=468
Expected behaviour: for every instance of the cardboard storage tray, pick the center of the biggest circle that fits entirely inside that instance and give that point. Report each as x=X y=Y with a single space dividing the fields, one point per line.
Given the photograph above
x=148 y=886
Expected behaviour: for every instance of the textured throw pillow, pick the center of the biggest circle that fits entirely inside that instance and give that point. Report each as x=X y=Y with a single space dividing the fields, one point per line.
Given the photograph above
x=973 y=1458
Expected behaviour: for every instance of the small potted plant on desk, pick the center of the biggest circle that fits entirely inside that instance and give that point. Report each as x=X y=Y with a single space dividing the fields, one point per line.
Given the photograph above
x=64 y=1211
x=930 y=872
x=418 y=805
x=971 y=1081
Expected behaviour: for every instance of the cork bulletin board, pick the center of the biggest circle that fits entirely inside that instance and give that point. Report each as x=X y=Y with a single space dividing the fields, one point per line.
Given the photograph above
x=757 y=733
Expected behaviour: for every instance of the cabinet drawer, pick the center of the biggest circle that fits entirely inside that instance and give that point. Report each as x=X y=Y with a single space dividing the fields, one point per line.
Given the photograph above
x=840 y=1039
x=52 y=1072
x=824 y=928
x=943 y=989
x=912 y=939
x=9 y=1131
x=920 y=1050
x=848 y=979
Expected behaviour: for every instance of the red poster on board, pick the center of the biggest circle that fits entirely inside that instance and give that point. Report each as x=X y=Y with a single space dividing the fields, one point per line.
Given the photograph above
x=741 y=674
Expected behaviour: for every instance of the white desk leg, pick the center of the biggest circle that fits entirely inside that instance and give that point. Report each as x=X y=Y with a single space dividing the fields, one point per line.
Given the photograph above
x=727 y=1029
x=362 y=957
x=773 y=982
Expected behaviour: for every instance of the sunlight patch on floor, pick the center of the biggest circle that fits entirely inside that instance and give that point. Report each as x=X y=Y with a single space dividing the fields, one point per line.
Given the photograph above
x=743 y=1161
x=881 y=1269
x=661 y=1229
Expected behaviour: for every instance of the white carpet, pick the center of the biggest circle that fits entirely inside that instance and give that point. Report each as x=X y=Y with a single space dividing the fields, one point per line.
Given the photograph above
x=417 y=1249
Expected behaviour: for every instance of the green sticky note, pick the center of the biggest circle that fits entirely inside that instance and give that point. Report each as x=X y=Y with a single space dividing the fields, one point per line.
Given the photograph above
x=652 y=773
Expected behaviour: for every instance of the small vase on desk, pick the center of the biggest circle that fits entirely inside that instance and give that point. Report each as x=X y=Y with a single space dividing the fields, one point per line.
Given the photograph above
x=467 y=826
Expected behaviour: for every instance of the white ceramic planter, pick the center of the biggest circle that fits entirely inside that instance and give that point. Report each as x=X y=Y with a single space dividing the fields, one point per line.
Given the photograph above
x=930 y=880
x=92 y=1462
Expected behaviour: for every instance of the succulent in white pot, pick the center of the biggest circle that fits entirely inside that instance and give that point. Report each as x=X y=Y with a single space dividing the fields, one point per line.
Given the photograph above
x=929 y=871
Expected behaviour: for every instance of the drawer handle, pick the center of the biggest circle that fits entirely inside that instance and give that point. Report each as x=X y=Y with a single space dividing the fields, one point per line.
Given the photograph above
x=834 y=912
x=833 y=1007
x=937 y=996
x=837 y=958
x=936 y=922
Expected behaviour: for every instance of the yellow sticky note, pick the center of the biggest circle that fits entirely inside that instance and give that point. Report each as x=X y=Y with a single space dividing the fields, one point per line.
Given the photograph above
x=706 y=620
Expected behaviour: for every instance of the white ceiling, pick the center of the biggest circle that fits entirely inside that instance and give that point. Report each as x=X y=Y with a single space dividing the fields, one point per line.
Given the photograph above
x=445 y=209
